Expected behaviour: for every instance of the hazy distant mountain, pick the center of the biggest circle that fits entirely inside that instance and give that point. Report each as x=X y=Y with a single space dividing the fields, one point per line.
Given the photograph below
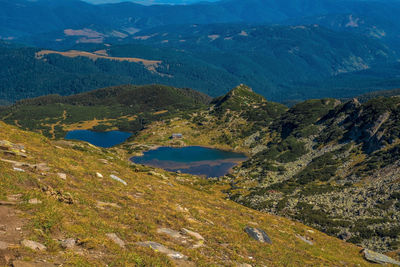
x=25 y=18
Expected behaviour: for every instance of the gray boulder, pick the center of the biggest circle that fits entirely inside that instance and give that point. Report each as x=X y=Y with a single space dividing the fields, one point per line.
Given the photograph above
x=116 y=178
x=170 y=232
x=33 y=245
x=68 y=243
x=113 y=237
x=164 y=250
x=378 y=258
x=258 y=234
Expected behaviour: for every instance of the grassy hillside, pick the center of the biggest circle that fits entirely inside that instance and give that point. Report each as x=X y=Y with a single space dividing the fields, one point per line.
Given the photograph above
x=64 y=191
x=329 y=164
x=128 y=108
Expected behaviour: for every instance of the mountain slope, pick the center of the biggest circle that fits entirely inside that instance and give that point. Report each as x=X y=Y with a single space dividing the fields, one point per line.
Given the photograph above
x=329 y=164
x=336 y=170
x=71 y=198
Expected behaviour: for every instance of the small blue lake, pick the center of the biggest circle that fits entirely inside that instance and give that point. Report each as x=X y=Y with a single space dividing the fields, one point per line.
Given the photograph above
x=193 y=160
x=101 y=139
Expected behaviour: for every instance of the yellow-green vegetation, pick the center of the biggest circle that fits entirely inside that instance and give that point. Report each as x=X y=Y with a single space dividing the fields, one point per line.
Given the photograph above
x=86 y=206
x=328 y=164
x=229 y=123
x=128 y=108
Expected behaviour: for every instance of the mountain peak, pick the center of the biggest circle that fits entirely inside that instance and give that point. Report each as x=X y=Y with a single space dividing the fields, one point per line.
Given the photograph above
x=238 y=98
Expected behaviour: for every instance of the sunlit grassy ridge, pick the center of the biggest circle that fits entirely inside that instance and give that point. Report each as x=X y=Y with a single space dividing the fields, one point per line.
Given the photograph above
x=150 y=200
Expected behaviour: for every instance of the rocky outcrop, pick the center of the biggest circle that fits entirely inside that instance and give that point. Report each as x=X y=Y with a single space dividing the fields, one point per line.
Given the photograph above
x=33 y=245
x=163 y=249
x=258 y=234
x=61 y=196
x=68 y=243
x=113 y=237
x=378 y=258
x=116 y=178
x=9 y=148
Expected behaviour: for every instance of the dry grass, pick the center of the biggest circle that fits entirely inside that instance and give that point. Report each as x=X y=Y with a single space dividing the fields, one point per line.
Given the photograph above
x=148 y=202
x=149 y=64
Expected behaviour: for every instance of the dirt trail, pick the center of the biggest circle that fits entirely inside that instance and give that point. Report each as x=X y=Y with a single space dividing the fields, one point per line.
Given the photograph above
x=11 y=234
x=53 y=126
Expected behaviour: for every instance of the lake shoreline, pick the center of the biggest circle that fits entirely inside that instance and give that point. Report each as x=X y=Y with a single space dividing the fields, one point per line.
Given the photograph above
x=195 y=160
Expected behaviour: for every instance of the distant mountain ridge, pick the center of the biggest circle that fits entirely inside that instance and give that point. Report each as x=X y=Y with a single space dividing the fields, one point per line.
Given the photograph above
x=46 y=16
x=280 y=62
x=353 y=52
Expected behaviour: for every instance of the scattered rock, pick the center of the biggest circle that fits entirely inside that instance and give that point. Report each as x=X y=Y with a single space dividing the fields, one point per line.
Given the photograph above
x=34 y=201
x=345 y=235
x=58 y=194
x=305 y=240
x=14 y=198
x=170 y=232
x=39 y=167
x=116 y=239
x=258 y=234
x=18 y=169
x=62 y=176
x=33 y=245
x=102 y=205
x=68 y=243
x=42 y=167
x=12 y=149
x=116 y=178
x=99 y=175
x=162 y=249
x=160 y=175
x=3 y=245
x=104 y=161
x=375 y=257
x=192 y=234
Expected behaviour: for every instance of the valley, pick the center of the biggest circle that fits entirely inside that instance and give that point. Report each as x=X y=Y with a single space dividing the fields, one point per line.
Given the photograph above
x=318 y=156
x=199 y=133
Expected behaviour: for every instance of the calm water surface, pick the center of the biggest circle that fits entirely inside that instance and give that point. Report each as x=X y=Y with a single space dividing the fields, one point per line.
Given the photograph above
x=101 y=139
x=193 y=160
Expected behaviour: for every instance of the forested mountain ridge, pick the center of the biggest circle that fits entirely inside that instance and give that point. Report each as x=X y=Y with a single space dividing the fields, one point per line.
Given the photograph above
x=28 y=17
x=283 y=63
x=288 y=51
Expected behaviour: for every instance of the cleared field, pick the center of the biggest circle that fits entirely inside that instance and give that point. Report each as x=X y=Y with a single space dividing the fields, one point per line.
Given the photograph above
x=149 y=64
